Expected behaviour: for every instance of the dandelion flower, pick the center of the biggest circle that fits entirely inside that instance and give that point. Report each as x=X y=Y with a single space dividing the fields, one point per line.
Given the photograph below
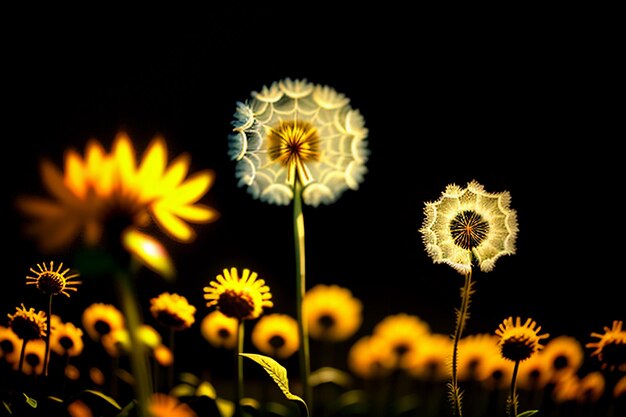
x=333 y=314
x=610 y=349
x=66 y=339
x=163 y=405
x=219 y=330
x=34 y=354
x=536 y=372
x=403 y=333
x=432 y=359
x=564 y=355
x=518 y=341
x=241 y=298
x=172 y=311
x=476 y=352
x=370 y=357
x=276 y=335
x=468 y=224
x=27 y=324
x=51 y=282
x=294 y=131
x=10 y=345
x=100 y=319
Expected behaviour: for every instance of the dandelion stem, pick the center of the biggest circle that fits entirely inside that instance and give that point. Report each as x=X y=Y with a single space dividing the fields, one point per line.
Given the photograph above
x=138 y=358
x=303 y=331
x=46 y=357
x=239 y=368
x=513 y=397
x=461 y=318
x=22 y=354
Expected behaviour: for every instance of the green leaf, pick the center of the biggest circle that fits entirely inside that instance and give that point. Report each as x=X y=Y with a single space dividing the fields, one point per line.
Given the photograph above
x=30 y=401
x=104 y=397
x=127 y=409
x=55 y=399
x=206 y=389
x=327 y=374
x=528 y=413
x=278 y=374
x=7 y=408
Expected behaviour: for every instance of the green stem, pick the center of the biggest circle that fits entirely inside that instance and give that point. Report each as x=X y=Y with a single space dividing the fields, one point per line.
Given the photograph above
x=22 y=354
x=513 y=398
x=46 y=357
x=303 y=331
x=458 y=333
x=170 y=371
x=138 y=357
x=239 y=368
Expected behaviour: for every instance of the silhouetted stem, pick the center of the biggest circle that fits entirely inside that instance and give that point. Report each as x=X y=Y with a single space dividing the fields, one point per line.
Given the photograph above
x=46 y=357
x=303 y=332
x=513 y=398
x=458 y=333
x=239 y=369
x=22 y=354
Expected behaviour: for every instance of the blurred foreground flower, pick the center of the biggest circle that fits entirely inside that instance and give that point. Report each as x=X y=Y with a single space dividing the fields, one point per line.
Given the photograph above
x=105 y=197
x=163 y=405
x=298 y=131
x=172 y=311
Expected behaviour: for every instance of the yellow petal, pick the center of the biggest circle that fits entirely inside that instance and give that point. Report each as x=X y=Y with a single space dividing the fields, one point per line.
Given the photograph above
x=198 y=213
x=172 y=225
x=40 y=207
x=192 y=189
x=153 y=163
x=55 y=184
x=124 y=157
x=150 y=252
x=75 y=178
x=176 y=173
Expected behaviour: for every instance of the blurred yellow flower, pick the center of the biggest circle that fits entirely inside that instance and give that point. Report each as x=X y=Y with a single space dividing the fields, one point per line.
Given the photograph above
x=51 y=282
x=403 y=334
x=219 y=330
x=610 y=349
x=566 y=389
x=241 y=298
x=77 y=408
x=105 y=196
x=163 y=405
x=34 y=353
x=332 y=313
x=276 y=335
x=172 y=311
x=431 y=361
x=517 y=341
x=293 y=131
x=495 y=373
x=619 y=389
x=100 y=319
x=370 y=357
x=591 y=388
x=10 y=345
x=535 y=372
x=27 y=324
x=66 y=339
x=476 y=353
x=564 y=355
x=469 y=224
x=117 y=342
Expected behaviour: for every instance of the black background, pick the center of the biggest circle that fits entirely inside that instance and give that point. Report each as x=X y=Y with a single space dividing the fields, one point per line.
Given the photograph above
x=519 y=100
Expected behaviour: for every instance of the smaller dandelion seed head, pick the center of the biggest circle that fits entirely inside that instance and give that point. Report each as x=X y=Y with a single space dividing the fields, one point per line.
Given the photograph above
x=293 y=142
x=468 y=229
x=53 y=282
x=27 y=324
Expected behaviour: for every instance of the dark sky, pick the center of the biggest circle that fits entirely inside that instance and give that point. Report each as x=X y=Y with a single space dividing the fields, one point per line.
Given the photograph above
x=518 y=103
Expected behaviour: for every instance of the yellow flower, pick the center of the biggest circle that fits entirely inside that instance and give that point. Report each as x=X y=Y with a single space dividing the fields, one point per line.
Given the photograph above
x=117 y=342
x=173 y=311
x=276 y=335
x=591 y=388
x=476 y=353
x=298 y=131
x=104 y=197
x=100 y=319
x=370 y=357
x=566 y=389
x=535 y=372
x=219 y=330
x=241 y=298
x=333 y=314
x=619 y=389
x=518 y=341
x=469 y=224
x=66 y=339
x=163 y=405
x=77 y=408
x=431 y=361
x=27 y=324
x=51 y=282
x=10 y=345
x=403 y=333
x=33 y=357
x=564 y=355
x=610 y=349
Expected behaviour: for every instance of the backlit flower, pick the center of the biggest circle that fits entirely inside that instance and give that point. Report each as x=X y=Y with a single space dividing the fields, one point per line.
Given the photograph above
x=333 y=314
x=117 y=342
x=431 y=361
x=476 y=352
x=10 y=345
x=293 y=131
x=468 y=226
x=33 y=357
x=219 y=330
x=610 y=349
x=104 y=196
x=66 y=339
x=403 y=334
x=276 y=335
x=27 y=324
x=51 y=282
x=163 y=405
x=535 y=372
x=173 y=311
x=241 y=298
x=564 y=355
x=518 y=341
x=100 y=319
x=370 y=358
x=591 y=388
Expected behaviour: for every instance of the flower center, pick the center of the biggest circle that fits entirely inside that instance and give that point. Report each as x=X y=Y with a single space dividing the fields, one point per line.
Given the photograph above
x=469 y=229
x=326 y=321
x=236 y=304
x=7 y=346
x=50 y=282
x=277 y=341
x=102 y=327
x=518 y=348
x=66 y=342
x=291 y=144
x=223 y=333
x=614 y=354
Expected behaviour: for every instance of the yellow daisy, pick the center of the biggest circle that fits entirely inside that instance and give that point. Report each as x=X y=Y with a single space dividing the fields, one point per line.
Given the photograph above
x=104 y=197
x=27 y=324
x=100 y=319
x=51 y=282
x=476 y=353
x=172 y=311
x=163 y=405
x=536 y=372
x=564 y=355
x=276 y=335
x=10 y=345
x=518 y=341
x=241 y=298
x=591 y=388
x=34 y=353
x=403 y=333
x=431 y=361
x=219 y=330
x=469 y=225
x=610 y=349
x=566 y=389
x=332 y=313
x=370 y=358
x=495 y=373
x=66 y=339
x=293 y=131
x=117 y=342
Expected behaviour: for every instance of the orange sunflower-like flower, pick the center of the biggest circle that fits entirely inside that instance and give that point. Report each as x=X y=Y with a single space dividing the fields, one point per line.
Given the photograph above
x=10 y=345
x=332 y=312
x=564 y=355
x=476 y=353
x=241 y=298
x=172 y=311
x=108 y=197
x=403 y=334
x=431 y=361
x=66 y=339
x=27 y=324
x=370 y=357
x=100 y=319
x=518 y=341
x=276 y=335
x=219 y=330
x=591 y=388
x=610 y=349
x=52 y=282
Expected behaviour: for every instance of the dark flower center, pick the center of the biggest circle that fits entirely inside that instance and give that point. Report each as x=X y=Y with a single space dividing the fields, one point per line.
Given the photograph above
x=326 y=321
x=66 y=342
x=50 y=282
x=518 y=348
x=401 y=349
x=235 y=304
x=223 y=333
x=614 y=353
x=170 y=319
x=27 y=329
x=560 y=362
x=469 y=229
x=32 y=359
x=102 y=327
x=277 y=341
x=7 y=346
